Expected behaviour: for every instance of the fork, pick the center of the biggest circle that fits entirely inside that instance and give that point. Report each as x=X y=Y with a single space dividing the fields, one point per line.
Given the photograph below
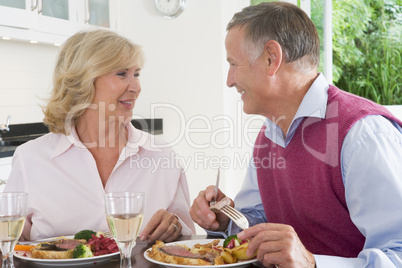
x=237 y=217
x=108 y=234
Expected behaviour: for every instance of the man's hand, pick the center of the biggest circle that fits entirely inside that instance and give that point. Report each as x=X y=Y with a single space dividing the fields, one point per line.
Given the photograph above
x=162 y=226
x=203 y=216
x=277 y=244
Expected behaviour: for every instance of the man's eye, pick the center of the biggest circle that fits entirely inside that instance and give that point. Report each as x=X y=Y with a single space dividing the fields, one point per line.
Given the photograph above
x=136 y=74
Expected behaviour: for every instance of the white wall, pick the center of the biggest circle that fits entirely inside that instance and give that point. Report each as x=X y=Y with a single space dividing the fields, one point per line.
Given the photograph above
x=395 y=110
x=25 y=79
x=186 y=69
x=183 y=82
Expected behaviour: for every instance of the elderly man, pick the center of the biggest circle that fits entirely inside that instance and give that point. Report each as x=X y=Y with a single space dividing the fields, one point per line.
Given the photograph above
x=336 y=199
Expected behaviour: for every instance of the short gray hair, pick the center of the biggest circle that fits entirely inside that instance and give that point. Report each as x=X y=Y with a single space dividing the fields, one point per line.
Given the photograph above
x=285 y=23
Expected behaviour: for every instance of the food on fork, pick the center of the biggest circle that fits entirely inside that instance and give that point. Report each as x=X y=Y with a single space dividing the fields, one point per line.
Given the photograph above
x=236 y=216
x=207 y=254
x=219 y=205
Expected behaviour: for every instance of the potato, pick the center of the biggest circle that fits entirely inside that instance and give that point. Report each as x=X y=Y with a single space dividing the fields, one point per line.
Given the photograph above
x=227 y=256
x=219 y=260
x=240 y=252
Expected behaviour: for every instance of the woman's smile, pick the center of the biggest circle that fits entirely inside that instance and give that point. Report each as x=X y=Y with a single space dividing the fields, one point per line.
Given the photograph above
x=128 y=104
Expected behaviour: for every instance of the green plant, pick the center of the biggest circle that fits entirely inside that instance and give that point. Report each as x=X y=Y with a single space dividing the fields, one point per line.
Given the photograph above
x=367 y=50
x=366 y=46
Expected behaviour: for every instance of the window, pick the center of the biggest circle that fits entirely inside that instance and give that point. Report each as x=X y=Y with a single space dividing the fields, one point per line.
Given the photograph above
x=360 y=45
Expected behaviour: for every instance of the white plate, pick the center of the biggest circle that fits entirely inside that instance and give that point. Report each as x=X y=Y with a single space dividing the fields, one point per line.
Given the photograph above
x=190 y=244
x=63 y=262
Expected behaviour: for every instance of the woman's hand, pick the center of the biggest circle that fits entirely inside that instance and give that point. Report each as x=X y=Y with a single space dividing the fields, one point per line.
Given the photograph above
x=203 y=216
x=277 y=244
x=162 y=226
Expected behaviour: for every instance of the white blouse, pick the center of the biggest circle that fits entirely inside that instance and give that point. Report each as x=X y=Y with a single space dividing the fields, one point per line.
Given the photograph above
x=66 y=192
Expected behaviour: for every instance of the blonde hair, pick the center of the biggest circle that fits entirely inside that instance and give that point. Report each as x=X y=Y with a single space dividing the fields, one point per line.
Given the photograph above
x=84 y=57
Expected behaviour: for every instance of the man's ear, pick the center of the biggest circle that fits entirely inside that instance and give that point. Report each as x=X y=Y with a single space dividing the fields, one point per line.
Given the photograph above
x=273 y=56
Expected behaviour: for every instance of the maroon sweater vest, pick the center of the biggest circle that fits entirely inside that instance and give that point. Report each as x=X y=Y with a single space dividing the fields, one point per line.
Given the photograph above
x=301 y=185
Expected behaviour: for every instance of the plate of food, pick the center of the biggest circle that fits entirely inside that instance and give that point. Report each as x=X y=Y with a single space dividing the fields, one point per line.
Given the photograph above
x=86 y=247
x=201 y=253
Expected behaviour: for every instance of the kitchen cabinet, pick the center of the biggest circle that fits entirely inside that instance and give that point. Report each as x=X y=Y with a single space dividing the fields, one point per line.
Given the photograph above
x=101 y=13
x=53 y=21
x=5 y=169
x=16 y=13
x=56 y=17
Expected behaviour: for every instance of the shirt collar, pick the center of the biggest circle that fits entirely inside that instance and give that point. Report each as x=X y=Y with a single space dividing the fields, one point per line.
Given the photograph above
x=136 y=139
x=314 y=104
x=67 y=141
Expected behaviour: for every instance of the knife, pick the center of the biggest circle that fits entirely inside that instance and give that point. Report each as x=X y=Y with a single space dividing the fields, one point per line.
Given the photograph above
x=42 y=240
x=213 y=201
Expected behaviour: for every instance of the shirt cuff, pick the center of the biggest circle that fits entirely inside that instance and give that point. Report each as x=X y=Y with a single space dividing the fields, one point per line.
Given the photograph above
x=185 y=230
x=216 y=233
x=225 y=234
x=325 y=261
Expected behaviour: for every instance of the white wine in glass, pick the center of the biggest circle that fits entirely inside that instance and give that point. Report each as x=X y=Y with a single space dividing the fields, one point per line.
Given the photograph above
x=12 y=219
x=124 y=214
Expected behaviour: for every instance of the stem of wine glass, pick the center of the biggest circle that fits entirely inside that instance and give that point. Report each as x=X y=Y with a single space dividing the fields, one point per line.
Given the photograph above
x=7 y=249
x=125 y=253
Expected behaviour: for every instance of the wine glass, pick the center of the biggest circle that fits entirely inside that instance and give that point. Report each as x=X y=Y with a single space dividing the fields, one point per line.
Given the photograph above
x=12 y=218
x=124 y=214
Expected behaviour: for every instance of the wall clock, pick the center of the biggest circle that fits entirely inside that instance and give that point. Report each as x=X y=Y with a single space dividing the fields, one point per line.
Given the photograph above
x=170 y=8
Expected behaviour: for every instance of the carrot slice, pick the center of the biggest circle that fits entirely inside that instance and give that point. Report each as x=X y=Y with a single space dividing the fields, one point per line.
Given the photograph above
x=23 y=247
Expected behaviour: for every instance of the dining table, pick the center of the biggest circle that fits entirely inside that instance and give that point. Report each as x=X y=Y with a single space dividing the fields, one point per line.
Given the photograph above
x=137 y=257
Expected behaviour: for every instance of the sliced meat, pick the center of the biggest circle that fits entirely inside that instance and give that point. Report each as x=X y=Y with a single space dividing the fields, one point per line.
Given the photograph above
x=50 y=247
x=68 y=244
x=219 y=205
x=179 y=252
x=211 y=256
x=175 y=254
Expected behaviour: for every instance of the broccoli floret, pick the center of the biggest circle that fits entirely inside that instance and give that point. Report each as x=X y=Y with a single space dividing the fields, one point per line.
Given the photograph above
x=82 y=251
x=84 y=234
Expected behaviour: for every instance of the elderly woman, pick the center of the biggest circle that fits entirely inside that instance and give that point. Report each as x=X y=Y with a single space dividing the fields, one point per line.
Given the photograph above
x=93 y=149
